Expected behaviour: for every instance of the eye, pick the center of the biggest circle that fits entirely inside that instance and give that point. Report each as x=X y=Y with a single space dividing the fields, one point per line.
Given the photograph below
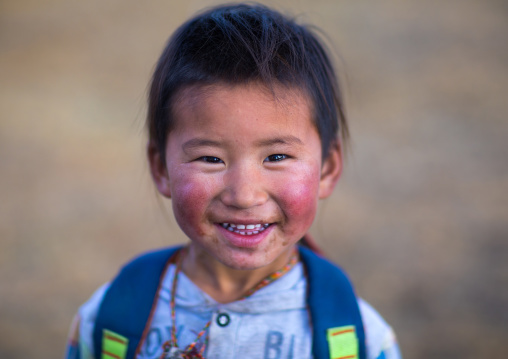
x=276 y=158
x=210 y=159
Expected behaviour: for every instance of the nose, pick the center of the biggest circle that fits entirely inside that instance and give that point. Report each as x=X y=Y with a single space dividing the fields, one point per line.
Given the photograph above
x=244 y=187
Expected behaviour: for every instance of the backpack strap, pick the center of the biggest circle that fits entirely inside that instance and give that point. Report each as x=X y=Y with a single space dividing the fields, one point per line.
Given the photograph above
x=127 y=305
x=334 y=310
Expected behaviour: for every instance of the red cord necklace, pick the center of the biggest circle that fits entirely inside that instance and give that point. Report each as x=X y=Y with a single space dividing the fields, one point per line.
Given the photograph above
x=170 y=347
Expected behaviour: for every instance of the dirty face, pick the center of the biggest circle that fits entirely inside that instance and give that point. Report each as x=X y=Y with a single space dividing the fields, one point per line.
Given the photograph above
x=244 y=172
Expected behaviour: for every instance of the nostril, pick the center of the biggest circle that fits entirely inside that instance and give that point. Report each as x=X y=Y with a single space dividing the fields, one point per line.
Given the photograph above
x=244 y=198
x=243 y=187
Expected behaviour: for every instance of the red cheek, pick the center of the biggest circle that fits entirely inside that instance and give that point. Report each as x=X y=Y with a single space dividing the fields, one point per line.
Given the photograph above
x=189 y=205
x=300 y=200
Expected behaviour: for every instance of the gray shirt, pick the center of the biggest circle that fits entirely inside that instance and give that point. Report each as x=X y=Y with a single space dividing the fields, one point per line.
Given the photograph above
x=273 y=323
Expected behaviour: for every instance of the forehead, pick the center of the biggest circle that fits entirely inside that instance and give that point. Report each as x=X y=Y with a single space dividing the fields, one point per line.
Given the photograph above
x=252 y=102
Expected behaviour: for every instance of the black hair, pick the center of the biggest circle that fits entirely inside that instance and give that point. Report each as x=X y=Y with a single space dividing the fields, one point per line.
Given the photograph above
x=239 y=44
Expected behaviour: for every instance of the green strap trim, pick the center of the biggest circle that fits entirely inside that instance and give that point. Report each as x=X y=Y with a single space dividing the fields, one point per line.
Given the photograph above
x=343 y=342
x=114 y=346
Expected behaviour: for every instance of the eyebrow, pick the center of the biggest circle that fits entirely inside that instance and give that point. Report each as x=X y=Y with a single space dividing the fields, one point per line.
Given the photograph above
x=284 y=140
x=204 y=142
x=200 y=142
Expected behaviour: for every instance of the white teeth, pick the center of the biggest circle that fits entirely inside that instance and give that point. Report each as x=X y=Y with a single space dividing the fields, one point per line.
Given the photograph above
x=241 y=228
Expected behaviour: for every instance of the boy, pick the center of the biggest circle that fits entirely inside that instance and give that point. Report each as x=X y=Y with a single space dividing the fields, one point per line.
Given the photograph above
x=244 y=121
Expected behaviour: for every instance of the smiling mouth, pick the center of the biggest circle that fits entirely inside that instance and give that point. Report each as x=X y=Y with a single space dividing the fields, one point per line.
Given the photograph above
x=245 y=229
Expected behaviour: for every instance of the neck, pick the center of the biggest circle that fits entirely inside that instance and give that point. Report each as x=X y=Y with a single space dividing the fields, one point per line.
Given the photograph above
x=225 y=284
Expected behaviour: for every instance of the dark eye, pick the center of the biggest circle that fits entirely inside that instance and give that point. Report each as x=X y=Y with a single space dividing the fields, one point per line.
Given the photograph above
x=275 y=158
x=210 y=159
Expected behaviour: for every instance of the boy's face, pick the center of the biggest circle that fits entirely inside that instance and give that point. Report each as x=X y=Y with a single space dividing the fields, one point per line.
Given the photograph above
x=244 y=172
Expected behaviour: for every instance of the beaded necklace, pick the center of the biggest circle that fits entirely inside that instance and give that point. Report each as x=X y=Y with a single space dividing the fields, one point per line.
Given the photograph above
x=170 y=347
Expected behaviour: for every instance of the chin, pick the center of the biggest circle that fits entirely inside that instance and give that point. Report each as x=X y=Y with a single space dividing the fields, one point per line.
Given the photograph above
x=249 y=260
x=244 y=262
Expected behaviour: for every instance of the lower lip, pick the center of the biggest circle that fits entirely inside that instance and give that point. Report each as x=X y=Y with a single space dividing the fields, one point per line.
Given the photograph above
x=244 y=241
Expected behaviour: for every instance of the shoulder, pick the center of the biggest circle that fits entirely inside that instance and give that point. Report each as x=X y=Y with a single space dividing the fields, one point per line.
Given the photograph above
x=88 y=313
x=144 y=270
x=380 y=338
x=325 y=280
x=80 y=343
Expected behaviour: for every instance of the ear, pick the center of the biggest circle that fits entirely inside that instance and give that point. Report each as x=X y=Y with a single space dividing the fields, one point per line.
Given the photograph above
x=331 y=170
x=158 y=170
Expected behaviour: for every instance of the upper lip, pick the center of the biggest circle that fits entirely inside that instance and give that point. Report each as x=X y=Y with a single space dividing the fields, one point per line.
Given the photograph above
x=235 y=221
x=242 y=221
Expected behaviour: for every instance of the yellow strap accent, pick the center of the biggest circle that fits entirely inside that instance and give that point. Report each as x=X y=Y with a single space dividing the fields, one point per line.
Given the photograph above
x=343 y=342
x=114 y=346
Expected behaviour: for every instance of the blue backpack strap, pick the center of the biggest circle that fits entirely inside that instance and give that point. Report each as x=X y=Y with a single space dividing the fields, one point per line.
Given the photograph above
x=332 y=303
x=127 y=304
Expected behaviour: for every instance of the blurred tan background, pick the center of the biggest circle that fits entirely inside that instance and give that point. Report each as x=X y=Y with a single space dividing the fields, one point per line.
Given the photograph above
x=419 y=219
